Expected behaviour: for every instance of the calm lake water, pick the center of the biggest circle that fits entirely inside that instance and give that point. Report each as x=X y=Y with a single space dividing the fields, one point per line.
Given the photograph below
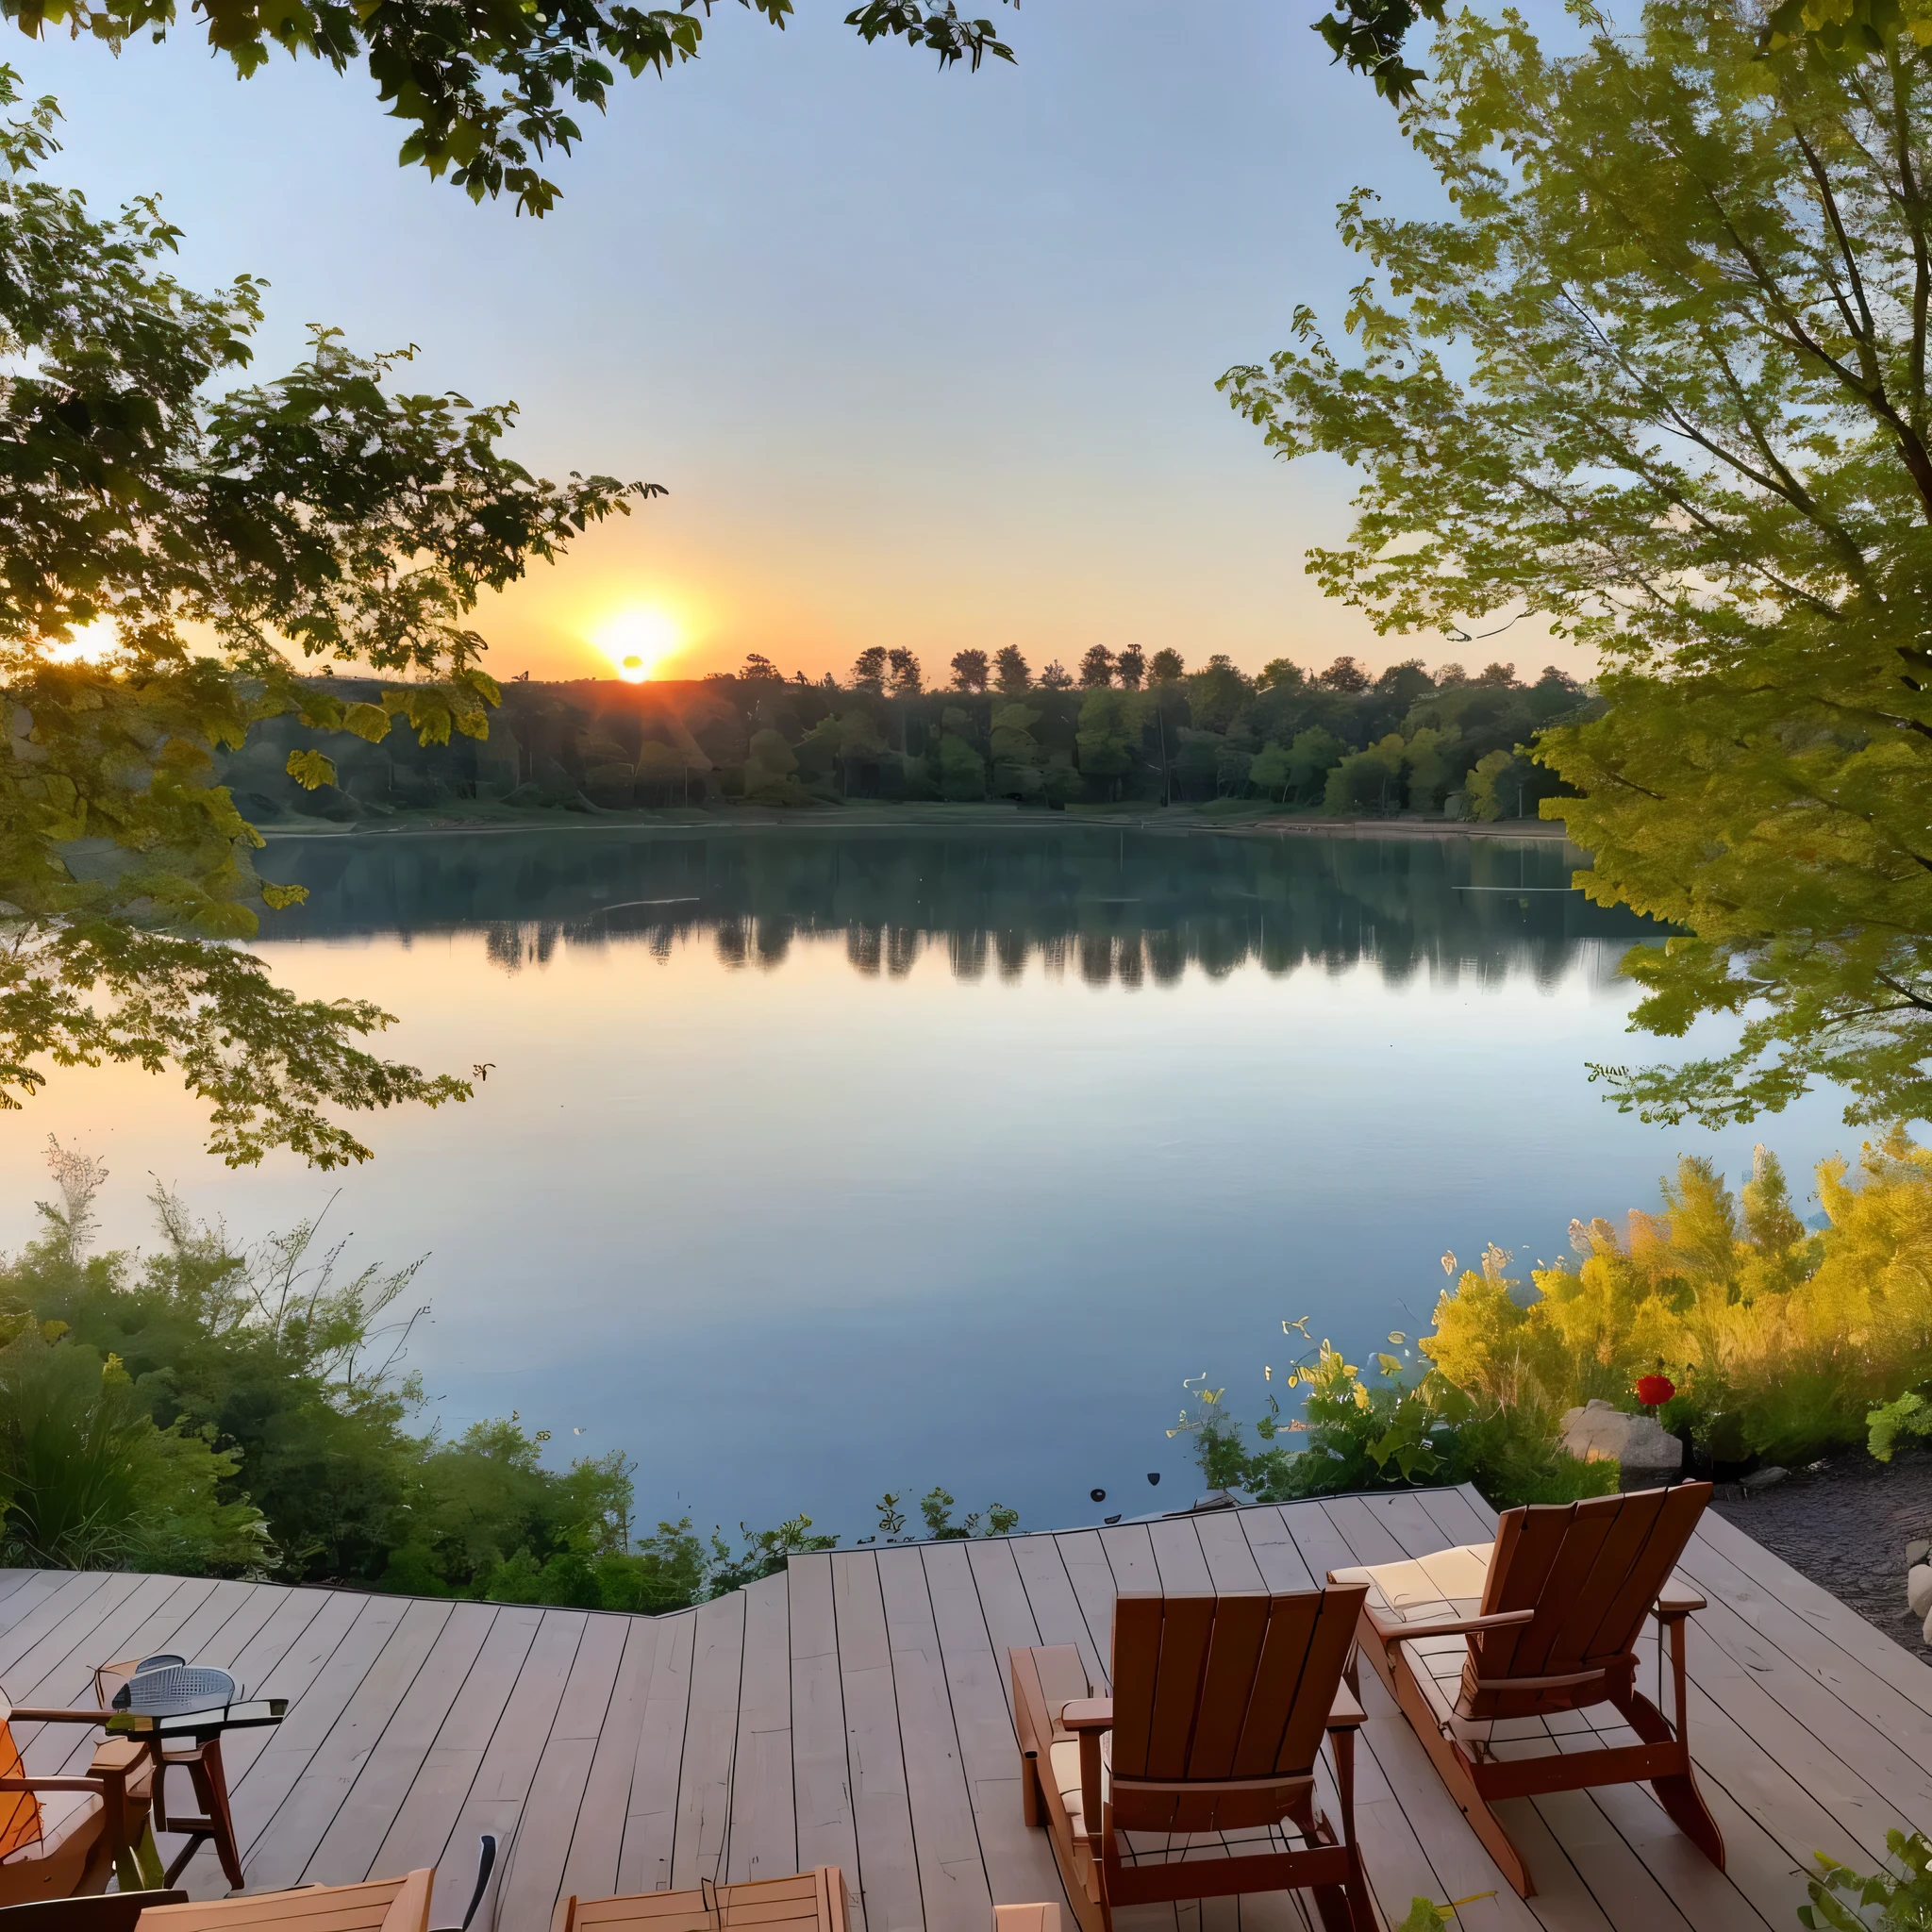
x=816 y=1162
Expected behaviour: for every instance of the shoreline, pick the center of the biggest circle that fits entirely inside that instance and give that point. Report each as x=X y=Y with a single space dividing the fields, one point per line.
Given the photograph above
x=1172 y=821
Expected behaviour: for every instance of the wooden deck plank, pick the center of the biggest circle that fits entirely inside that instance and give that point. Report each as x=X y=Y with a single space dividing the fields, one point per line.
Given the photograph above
x=651 y=1824
x=65 y=1625
x=1362 y=1528
x=1057 y=1613
x=1178 y=1559
x=1757 y=1584
x=1224 y=1547
x=347 y=1852
x=422 y=1826
x=821 y=1774
x=1321 y=1546
x=762 y=1834
x=500 y=1795
x=1018 y=1862
x=1274 y=1550
x=710 y=1737
x=1083 y=1559
x=591 y=1869
x=1130 y=1558
x=313 y=1711
x=945 y=1834
x=881 y=1810
x=529 y=1886
x=1007 y=1611
x=293 y=1834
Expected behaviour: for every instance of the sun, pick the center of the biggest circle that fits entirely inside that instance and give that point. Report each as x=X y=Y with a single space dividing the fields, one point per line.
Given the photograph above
x=637 y=642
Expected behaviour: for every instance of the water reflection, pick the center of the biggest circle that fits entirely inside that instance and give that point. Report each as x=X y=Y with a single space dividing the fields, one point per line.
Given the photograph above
x=1114 y=907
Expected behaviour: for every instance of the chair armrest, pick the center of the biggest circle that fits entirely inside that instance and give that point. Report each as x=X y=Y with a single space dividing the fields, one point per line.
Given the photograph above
x=1454 y=1627
x=25 y=1715
x=1345 y=1714
x=1676 y=1599
x=1086 y=1714
x=51 y=1784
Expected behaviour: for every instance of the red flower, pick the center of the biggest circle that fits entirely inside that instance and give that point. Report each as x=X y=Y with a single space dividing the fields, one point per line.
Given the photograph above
x=1655 y=1390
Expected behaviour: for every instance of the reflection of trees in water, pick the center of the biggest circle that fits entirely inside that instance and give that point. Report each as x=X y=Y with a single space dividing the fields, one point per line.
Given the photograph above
x=1115 y=907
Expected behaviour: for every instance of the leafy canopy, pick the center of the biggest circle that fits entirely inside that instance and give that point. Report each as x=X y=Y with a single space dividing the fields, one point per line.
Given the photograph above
x=1660 y=377
x=209 y=541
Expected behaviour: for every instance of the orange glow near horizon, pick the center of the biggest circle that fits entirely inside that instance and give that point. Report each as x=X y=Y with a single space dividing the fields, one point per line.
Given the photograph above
x=637 y=641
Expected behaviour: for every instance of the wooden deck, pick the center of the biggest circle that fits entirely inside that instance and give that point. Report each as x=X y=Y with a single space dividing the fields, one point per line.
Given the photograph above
x=854 y=1712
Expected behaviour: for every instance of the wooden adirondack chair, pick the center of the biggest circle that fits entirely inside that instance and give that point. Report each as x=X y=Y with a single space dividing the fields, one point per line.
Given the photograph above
x=1196 y=1779
x=62 y=1837
x=383 y=1904
x=1496 y=1652
x=813 y=1901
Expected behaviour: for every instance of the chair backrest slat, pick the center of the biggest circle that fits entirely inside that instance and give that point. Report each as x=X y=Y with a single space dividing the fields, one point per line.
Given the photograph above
x=1209 y=1688
x=1590 y=1569
x=1136 y=1663
x=1234 y=1655
x=1187 y=1627
x=1329 y=1644
x=1649 y=1568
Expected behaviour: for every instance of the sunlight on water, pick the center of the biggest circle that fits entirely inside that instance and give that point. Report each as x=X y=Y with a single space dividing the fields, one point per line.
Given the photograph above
x=814 y=1163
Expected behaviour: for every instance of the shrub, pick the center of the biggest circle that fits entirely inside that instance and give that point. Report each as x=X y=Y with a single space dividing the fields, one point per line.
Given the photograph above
x=1403 y=1430
x=1782 y=1342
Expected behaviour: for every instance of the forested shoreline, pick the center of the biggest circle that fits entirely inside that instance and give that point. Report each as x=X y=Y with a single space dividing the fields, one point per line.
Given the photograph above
x=1406 y=741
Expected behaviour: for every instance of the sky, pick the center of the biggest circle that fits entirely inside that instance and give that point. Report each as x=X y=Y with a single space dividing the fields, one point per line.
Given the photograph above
x=923 y=360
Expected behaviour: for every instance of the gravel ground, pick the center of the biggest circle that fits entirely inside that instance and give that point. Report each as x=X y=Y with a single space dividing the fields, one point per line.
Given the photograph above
x=1845 y=1526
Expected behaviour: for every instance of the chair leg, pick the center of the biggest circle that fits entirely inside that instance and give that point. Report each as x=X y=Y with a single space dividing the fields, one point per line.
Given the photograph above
x=1032 y=1801
x=1361 y=1905
x=1461 y=1786
x=1677 y=1791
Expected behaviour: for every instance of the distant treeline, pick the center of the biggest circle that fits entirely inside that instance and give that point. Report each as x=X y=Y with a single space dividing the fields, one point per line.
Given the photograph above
x=1132 y=731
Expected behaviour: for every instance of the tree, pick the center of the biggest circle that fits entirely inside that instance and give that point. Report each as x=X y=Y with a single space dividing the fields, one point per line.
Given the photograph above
x=969 y=670
x=868 y=669
x=1404 y=683
x=1011 y=671
x=962 y=771
x=1499 y=676
x=1689 y=425
x=1055 y=677
x=1311 y=756
x=1271 y=774
x=1109 y=732
x=1365 y=780
x=1096 y=667
x=1165 y=666
x=1428 y=761
x=1281 y=674
x=1130 y=667
x=488 y=95
x=906 y=679
x=759 y=669
x=1216 y=694
x=1344 y=676
x=207 y=544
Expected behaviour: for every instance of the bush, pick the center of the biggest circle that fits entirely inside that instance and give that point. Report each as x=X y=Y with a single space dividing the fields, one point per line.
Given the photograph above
x=1782 y=1342
x=1404 y=1431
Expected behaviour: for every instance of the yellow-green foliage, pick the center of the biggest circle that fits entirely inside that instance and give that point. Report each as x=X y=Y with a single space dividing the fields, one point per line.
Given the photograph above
x=1790 y=1336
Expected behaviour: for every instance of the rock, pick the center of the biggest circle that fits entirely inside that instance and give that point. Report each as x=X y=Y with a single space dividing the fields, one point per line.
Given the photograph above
x=1600 y=1433
x=1919 y=1589
x=1762 y=1478
x=1916 y=1553
x=1927 y=1632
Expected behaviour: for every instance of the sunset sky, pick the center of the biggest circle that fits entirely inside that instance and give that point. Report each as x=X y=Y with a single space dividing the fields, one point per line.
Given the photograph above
x=923 y=360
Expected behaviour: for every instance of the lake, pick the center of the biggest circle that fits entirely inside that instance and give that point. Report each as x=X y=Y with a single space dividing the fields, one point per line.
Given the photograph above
x=815 y=1162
